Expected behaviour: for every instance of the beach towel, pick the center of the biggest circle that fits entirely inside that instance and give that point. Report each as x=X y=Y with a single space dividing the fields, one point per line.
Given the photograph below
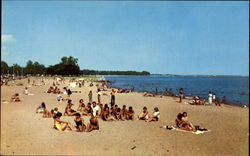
x=72 y=84
x=177 y=129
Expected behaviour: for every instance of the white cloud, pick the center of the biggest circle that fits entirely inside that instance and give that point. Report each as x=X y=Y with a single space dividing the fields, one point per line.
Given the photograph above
x=6 y=38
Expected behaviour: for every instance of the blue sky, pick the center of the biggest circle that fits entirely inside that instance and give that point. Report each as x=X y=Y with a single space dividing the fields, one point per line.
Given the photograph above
x=160 y=37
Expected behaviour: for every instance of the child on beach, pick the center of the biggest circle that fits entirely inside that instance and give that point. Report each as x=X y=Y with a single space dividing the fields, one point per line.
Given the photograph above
x=80 y=126
x=130 y=113
x=144 y=114
x=61 y=125
x=155 y=116
x=93 y=123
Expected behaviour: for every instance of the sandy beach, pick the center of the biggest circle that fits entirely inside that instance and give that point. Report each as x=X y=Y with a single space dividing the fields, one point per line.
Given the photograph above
x=24 y=132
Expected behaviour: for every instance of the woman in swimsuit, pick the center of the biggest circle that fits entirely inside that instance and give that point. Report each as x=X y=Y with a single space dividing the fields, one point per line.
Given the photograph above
x=61 y=125
x=93 y=124
x=81 y=127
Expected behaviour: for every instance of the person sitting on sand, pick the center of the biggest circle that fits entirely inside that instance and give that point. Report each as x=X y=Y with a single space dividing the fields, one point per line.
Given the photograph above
x=15 y=98
x=124 y=112
x=130 y=113
x=217 y=102
x=155 y=116
x=106 y=115
x=87 y=110
x=59 y=97
x=26 y=92
x=96 y=110
x=80 y=126
x=41 y=108
x=93 y=123
x=144 y=114
x=54 y=111
x=68 y=110
x=81 y=105
x=118 y=114
x=61 y=125
x=185 y=125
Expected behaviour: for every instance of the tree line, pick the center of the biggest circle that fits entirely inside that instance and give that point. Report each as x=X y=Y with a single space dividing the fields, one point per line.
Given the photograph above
x=67 y=67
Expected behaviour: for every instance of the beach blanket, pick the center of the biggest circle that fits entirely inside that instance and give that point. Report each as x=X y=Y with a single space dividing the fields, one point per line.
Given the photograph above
x=72 y=84
x=177 y=129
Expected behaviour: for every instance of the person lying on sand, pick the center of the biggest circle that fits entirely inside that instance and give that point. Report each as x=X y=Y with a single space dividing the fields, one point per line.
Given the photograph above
x=144 y=114
x=80 y=126
x=155 y=116
x=15 y=98
x=130 y=113
x=61 y=125
x=151 y=95
x=93 y=123
x=197 y=101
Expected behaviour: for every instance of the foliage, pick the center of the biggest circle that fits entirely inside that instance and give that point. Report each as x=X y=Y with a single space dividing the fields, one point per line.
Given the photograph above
x=67 y=67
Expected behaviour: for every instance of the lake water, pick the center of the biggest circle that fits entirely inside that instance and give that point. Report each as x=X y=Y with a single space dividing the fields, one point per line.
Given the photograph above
x=235 y=89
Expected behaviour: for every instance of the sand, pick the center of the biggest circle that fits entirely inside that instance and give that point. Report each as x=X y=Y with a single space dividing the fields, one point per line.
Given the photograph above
x=23 y=132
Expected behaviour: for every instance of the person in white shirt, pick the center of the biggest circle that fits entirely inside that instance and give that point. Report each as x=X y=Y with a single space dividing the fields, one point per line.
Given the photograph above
x=210 y=98
x=155 y=116
x=213 y=97
x=96 y=109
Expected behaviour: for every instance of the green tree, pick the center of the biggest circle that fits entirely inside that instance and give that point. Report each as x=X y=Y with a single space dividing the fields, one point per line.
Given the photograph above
x=4 y=68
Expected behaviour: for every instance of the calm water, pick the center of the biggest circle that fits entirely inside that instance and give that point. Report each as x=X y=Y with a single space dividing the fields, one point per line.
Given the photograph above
x=236 y=89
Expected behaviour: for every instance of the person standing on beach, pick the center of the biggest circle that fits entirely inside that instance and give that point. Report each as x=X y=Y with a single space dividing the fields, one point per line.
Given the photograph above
x=181 y=94
x=90 y=96
x=112 y=97
x=214 y=97
x=210 y=98
x=99 y=95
